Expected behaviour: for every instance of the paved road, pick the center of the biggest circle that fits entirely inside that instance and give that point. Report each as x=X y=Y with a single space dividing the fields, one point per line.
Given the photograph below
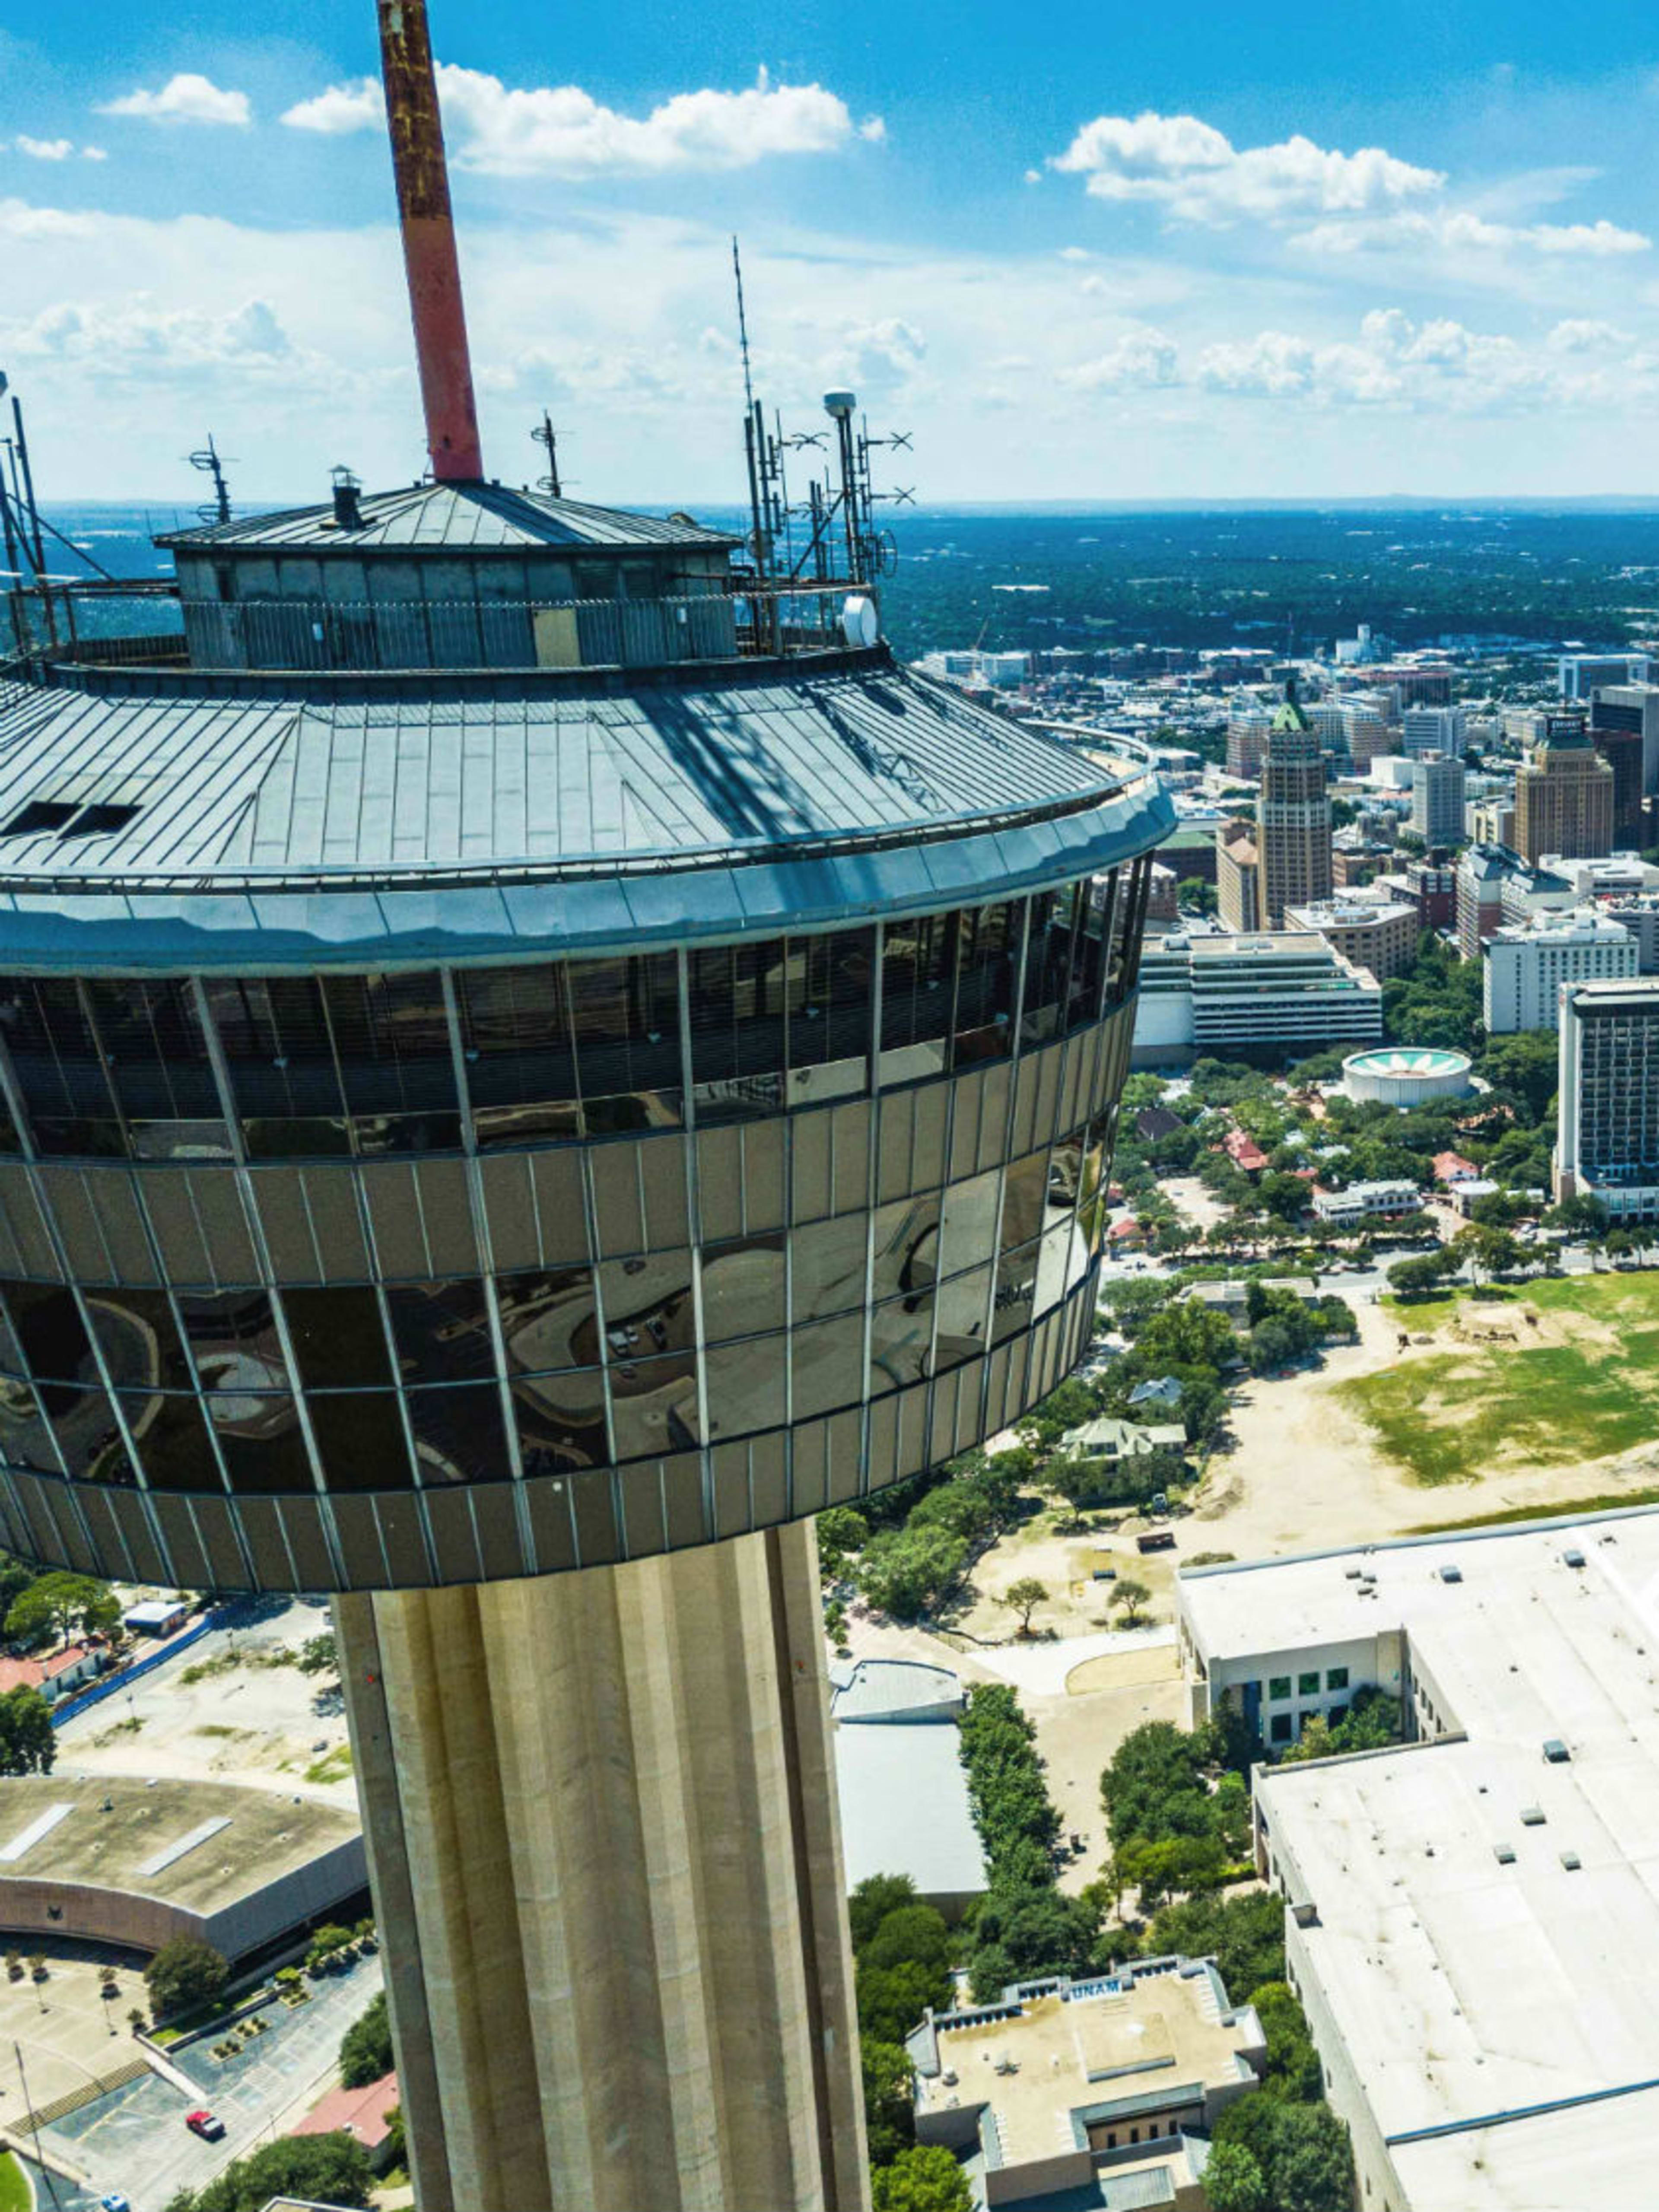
x=136 y=2138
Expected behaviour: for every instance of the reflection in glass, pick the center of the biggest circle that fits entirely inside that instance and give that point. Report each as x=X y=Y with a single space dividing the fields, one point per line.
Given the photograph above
x=647 y=1305
x=138 y=1337
x=88 y=1439
x=1025 y=1187
x=827 y=1362
x=360 y=1439
x=624 y=1017
x=203 y=1139
x=1016 y=1293
x=277 y=1137
x=653 y=1405
x=233 y=1340
x=260 y=1441
x=906 y=1246
x=48 y=1324
x=44 y=1022
x=738 y=1098
x=25 y=1433
x=961 y=1308
x=743 y=1289
x=459 y=1435
x=561 y=1422
x=60 y=1138
x=337 y=1338
x=440 y=1331
x=155 y=1050
x=968 y=1231
x=390 y=1042
x=987 y=978
x=901 y=1342
x=828 y=1266
x=375 y=1134
x=745 y=1386
x=170 y=1436
x=549 y=1121
x=548 y=1318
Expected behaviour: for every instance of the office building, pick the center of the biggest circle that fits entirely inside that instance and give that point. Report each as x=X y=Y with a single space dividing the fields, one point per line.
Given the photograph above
x=1102 y=2091
x=1238 y=880
x=1367 y=727
x=1354 y=865
x=1431 y=886
x=1481 y=872
x=1437 y=799
x=1636 y=912
x=1292 y=815
x=1428 y=684
x=1633 y=709
x=1564 y=795
x=1432 y=730
x=503 y=1124
x=1491 y=821
x=1380 y=935
x=1622 y=750
x=1279 y=996
x=1580 y=674
x=1471 y=1921
x=1247 y=739
x=1524 y=965
x=1608 y=1130
x=1366 y=1201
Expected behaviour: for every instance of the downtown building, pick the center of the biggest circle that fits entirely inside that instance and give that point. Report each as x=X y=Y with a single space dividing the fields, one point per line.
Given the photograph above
x=1564 y=795
x=1607 y=1131
x=1277 y=996
x=533 y=1063
x=1438 y=809
x=1525 y=966
x=1293 y=817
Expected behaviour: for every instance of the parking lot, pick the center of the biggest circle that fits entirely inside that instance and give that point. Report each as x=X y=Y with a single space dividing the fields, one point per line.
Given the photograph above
x=69 y=2036
x=135 y=2139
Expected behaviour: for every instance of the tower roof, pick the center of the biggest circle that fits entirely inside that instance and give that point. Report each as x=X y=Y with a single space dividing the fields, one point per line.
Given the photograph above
x=472 y=518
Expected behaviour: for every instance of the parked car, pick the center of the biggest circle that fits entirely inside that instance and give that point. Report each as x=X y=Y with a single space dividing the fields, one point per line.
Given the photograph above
x=207 y=2124
x=114 y=2202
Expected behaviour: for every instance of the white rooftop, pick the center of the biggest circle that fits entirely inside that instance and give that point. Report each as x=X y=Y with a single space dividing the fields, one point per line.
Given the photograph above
x=903 y=1798
x=1492 y=1973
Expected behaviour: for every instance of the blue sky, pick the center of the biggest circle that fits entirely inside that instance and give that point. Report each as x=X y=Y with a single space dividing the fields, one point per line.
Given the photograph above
x=1187 y=249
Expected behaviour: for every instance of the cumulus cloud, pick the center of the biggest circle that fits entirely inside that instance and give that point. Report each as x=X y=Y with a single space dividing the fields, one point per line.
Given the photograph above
x=1582 y=335
x=1140 y=356
x=185 y=98
x=1457 y=230
x=1439 y=365
x=1196 y=173
x=112 y=338
x=44 y=149
x=562 y=130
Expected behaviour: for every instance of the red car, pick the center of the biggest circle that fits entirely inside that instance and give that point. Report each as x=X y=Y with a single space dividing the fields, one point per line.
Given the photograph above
x=205 y=2123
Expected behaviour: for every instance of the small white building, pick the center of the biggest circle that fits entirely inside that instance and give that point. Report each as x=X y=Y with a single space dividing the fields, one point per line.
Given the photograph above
x=1366 y=1201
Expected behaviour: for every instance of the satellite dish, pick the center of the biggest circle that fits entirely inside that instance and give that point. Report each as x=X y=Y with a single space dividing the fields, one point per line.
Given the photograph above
x=860 y=623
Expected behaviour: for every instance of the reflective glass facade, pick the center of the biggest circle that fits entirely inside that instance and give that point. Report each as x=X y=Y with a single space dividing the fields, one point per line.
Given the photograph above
x=388 y=1279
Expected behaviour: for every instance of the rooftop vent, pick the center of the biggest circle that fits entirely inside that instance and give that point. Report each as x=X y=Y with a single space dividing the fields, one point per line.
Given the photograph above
x=1503 y=1853
x=1573 y=1558
x=1571 y=1861
x=347 y=510
x=1532 y=1816
x=1556 y=1751
x=1451 y=1574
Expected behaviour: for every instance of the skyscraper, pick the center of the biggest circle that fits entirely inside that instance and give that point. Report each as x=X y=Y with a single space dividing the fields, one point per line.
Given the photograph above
x=1564 y=795
x=1293 y=815
x=1437 y=788
x=533 y=1064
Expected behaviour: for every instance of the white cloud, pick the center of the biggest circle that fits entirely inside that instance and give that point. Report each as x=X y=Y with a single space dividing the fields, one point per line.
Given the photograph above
x=113 y=339
x=93 y=154
x=1581 y=335
x=1459 y=231
x=359 y=104
x=44 y=149
x=562 y=130
x=186 y=98
x=1140 y=356
x=1197 y=174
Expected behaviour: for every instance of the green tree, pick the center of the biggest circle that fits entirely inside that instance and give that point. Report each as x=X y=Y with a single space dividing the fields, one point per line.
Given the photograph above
x=15 y=1576
x=185 y=1975
x=329 y=2169
x=876 y=1896
x=924 y=2179
x=1194 y=896
x=1244 y=1934
x=888 y=2100
x=1132 y=1597
x=1024 y=1597
x=318 y=1655
x=366 y=2051
x=59 y=1605
x=1313 y=2165
x=1526 y=1067
x=1292 y=2069
x=1420 y=1276
x=28 y=1742
x=904 y=1572
x=1233 y=2182
x=1075 y=1481
x=843 y=1528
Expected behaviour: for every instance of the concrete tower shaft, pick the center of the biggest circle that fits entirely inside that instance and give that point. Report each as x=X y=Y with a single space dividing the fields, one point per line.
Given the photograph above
x=431 y=262
x=605 y=1849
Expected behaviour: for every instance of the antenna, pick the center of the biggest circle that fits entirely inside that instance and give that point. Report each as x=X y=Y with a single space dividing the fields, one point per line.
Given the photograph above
x=547 y=437
x=29 y=514
x=742 y=327
x=208 y=460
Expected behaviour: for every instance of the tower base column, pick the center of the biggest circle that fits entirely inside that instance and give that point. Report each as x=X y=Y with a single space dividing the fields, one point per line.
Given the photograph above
x=605 y=1849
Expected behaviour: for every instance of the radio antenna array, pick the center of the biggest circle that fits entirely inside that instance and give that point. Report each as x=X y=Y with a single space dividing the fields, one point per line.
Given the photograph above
x=548 y=438
x=217 y=509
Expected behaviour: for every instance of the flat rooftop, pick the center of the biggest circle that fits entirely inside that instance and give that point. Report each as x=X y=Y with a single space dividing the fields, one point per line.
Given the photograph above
x=904 y=1796
x=199 y=1845
x=1487 y=1918
x=1107 y=2042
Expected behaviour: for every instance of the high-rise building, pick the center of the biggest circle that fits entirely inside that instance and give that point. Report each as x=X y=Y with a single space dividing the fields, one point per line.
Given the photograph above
x=531 y=1065
x=1607 y=1126
x=1437 y=799
x=1247 y=739
x=1524 y=965
x=1491 y=821
x=1378 y=934
x=1626 y=711
x=1581 y=673
x=1482 y=872
x=1293 y=815
x=1425 y=730
x=1238 y=879
x=1564 y=795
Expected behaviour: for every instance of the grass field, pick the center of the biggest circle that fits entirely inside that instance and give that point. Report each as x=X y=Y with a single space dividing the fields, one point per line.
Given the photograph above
x=15 y=2194
x=1578 y=1378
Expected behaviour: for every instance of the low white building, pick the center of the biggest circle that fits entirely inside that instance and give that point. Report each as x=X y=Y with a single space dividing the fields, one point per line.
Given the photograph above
x=1286 y=991
x=1366 y=1201
x=1524 y=966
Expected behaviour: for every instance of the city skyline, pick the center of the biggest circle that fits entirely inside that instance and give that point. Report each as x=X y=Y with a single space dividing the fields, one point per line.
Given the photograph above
x=1133 y=274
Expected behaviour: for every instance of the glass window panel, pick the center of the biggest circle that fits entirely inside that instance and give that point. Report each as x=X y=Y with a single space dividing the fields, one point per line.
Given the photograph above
x=548 y=1319
x=360 y=1439
x=44 y=1024
x=233 y=1340
x=154 y=1049
x=1026 y=1186
x=261 y=1442
x=738 y=1098
x=440 y=1331
x=435 y=1132
x=988 y=973
x=48 y=1323
x=275 y=1136
x=901 y=1342
x=968 y=1230
x=918 y=973
x=25 y=1433
x=12 y=1361
x=459 y=1435
x=181 y=1140
x=742 y=1287
x=137 y=1336
x=1015 y=1297
x=745 y=1385
x=516 y=1034
x=1088 y=952
x=962 y=1305
x=827 y=1274
x=736 y=1011
x=653 y=1405
x=171 y=1438
x=59 y=1138
x=88 y=1438
x=906 y=1246
x=625 y=1016
x=830 y=983
x=552 y=1121
x=392 y=1041
x=647 y=1305
x=632 y=1110
x=828 y=1360
x=276 y=1038
x=337 y=1338
x=561 y=1422
x=1049 y=963
x=1062 y=1263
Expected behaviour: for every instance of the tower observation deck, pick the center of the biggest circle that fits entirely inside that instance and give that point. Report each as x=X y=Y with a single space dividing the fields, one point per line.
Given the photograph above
x=520 y=1083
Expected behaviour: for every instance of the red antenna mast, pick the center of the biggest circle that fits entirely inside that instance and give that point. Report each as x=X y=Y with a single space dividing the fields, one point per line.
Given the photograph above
x=430 y=261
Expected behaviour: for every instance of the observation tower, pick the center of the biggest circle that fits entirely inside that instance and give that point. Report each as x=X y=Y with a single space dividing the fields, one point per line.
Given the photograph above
x=534 y=1057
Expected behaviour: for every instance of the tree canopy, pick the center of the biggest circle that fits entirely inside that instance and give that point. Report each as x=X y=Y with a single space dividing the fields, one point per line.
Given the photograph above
x=59 y=1605
x=330 y=2169
x=28 y=1742
x=924 y=2179
x=185 y=1976
x=366 y=2047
